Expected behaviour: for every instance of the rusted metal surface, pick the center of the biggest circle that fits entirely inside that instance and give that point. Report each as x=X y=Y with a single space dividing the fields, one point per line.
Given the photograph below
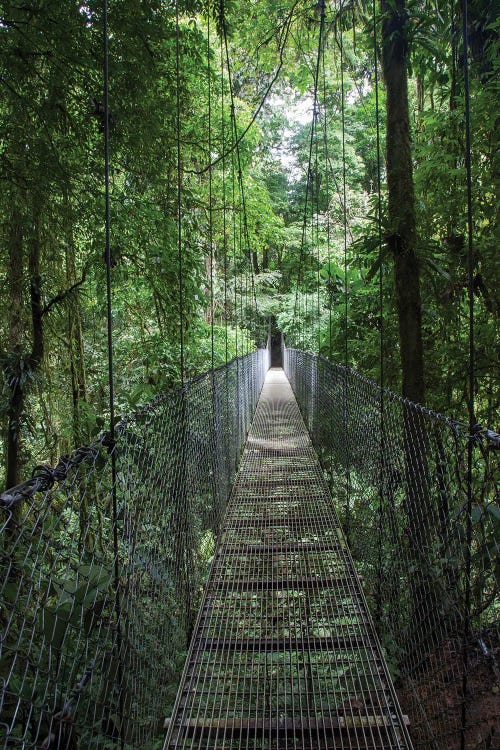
x=284 y=653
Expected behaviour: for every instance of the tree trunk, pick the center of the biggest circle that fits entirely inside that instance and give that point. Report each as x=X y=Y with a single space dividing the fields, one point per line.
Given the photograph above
x=76 y=354
x=402 y=242
x=402 y=237
x=14 y=364
x=420 y=95
x=20 y=366
x=37 y=345
x=265 y=258
x=209 y=271
x=255 y=262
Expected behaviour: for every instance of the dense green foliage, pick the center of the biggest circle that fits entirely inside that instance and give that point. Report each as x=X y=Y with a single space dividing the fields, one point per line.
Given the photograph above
x=265 y=232
x=240 y=198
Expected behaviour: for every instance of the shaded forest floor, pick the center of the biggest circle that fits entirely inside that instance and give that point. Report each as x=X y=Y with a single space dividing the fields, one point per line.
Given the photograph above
x=440 y=688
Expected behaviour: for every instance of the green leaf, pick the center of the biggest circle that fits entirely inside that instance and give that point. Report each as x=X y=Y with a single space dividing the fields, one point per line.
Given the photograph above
x=493 y=510
x=331 y=269
x=476 y=513
x=54 y=623
x=10 y=592
x=436 y=267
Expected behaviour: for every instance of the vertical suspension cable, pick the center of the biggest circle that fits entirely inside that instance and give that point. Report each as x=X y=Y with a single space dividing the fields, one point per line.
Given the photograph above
x=244 y=296
x=327 y=202
x=346 y=282
x=183 y=542
x=109 y=312
x=471 y=374
x=379 y=212
x=378 y=592
x=309 y=181
x=233 y=247
x=224 y=215
x=235 y=227
x=342 y=193
x=318 y=277
x=240 y=247
x=244 y=222
x=247 y=284
x=216 y=432
x=234 y=244
x=180 y=270
x=210 y=197
x=344 y=189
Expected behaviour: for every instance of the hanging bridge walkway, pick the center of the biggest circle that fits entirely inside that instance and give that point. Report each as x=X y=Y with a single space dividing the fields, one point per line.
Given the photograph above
x=216 y=531
x=284 y=653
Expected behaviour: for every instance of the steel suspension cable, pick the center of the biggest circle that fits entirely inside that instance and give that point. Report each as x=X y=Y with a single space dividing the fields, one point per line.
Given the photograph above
x=241 y=253
x=224 y=205
x=471 y=371
x=346 y=280
x=297 y=312
x=181 y=521
x=111 y=387
x=382 y=426
x=379 y=210
x=234 y=245
x=309 y=181
x=318 y=277
x=315 y=223
x=246 y=236
x=180 y=269
x=327 y=203
x=344 y=189
x=210 y=198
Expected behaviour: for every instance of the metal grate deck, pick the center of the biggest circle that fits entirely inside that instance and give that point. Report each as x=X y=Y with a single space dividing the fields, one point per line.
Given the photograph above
x=284 y=654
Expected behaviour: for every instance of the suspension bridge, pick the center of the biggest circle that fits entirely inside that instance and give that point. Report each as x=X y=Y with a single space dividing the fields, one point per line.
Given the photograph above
x=292 y=641
x=265 y=557
x=284 y=648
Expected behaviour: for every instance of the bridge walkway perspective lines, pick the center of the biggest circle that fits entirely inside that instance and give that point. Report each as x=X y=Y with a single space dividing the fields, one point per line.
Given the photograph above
x=284 y=652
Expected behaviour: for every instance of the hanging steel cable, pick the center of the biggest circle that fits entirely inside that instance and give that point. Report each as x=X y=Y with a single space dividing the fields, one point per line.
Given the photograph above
x=244 y=233
x=315 y=236
x=297 y=316
x=471 y=373
x=234 y=238
x=382 y=459
x=318 y=275
x=224 y=202
x=180 y=268
x=210 y=198
x=327 y=203
x=347 y=518
x=344 y=185
x=112 y=436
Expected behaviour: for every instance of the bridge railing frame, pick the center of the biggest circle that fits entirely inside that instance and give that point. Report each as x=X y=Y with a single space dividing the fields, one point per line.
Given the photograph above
x=74 y=668
x=402 y=497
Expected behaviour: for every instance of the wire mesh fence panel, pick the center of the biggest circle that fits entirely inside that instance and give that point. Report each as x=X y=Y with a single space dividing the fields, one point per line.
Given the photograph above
x=399 y=474
x=98 y=606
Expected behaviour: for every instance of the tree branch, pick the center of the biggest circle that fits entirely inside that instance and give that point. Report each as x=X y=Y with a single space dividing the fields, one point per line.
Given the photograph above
x=64 y=295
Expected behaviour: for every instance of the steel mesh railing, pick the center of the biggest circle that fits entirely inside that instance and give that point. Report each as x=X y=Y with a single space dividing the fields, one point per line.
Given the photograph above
x=399 y=474
x=96 y=608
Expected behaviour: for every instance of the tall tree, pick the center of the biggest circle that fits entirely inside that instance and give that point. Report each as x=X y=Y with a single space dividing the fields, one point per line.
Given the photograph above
x=402 y=235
